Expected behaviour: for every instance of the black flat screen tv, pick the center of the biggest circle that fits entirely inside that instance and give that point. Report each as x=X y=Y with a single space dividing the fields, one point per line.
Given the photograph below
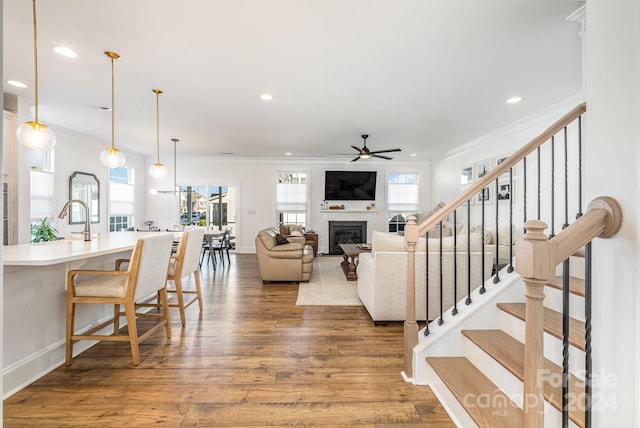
x=350 y=186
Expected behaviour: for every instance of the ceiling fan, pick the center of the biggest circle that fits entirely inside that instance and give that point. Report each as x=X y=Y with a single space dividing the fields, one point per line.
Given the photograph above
x=365 y=153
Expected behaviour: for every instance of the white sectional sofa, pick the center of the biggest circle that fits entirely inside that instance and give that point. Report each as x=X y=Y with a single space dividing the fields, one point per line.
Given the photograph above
x=382 y=274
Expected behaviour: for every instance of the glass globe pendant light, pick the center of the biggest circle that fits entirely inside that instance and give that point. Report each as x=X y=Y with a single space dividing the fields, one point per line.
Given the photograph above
x=111 y=157
x=158 y=170
x=35 y=135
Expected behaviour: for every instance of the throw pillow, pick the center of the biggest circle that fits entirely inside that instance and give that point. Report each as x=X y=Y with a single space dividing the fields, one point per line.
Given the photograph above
x=280 y=240
x=296 y=233
x=295 y=227
x=284 y=229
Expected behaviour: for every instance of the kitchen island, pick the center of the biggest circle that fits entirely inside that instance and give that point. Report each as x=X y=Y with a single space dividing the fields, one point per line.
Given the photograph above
x=34 y=301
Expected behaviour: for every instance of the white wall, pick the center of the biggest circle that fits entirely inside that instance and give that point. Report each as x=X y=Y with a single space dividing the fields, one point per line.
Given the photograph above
x=611 y=162
x=447 y=168
x=75 y=152
x=255 y=181
x=72 y=152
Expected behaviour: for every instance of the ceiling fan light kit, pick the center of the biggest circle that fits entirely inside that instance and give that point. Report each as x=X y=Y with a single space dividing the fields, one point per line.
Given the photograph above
x=365 y=153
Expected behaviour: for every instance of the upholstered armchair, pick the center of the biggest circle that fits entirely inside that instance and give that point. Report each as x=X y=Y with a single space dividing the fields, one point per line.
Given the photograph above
x=281 y=260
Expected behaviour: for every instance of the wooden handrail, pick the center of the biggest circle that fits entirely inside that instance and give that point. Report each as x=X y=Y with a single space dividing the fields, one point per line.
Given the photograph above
x=496 y=172
x=413 y=231
x=536 y=259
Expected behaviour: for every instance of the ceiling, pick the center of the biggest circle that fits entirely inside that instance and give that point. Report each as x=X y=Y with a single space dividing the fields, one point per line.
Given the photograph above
x=421 y=75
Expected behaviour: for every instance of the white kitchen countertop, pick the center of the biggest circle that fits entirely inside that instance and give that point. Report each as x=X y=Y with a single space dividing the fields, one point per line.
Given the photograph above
x=65 y=250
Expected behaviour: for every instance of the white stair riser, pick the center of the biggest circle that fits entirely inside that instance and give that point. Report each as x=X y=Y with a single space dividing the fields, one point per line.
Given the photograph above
x=576 y=267
x=515 y=327
x=507 y=383
x=447 y=340
x=454 y=409
x=553 y=300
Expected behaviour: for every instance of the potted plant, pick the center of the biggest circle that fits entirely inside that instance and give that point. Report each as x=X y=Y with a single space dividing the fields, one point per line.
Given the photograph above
x=43 y=232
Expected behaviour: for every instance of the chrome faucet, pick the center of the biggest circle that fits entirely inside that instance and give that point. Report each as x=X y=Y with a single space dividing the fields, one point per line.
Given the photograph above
x=87 y=220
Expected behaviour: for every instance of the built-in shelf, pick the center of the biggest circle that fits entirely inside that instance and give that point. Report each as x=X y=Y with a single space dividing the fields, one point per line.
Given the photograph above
x=348 y=211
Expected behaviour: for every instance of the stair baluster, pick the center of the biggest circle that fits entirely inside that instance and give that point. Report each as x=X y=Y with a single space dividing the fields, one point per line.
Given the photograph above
x=441 y=320
x=579 y=167
x=587 y=335
x=496 y=277
x=511 y=198
x=553 y=188
x=565 y=343
x=468 y=301
x=426 y=330
x=454 y=311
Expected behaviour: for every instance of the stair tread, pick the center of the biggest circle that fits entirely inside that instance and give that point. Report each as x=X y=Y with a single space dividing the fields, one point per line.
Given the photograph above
x=510 y=354
x=552 y=323
x=476 y=393
x=576 y=285
x=579 y=253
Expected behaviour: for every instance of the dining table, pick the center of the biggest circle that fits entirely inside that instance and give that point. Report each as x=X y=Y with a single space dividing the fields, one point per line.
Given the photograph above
x=210 y=237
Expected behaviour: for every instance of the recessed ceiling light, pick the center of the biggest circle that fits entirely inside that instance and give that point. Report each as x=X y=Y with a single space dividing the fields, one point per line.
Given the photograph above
x=414 y=154
x=17 y=84
x=64 y=51
x=514 y=100
x=288 y=153
x=266 y=97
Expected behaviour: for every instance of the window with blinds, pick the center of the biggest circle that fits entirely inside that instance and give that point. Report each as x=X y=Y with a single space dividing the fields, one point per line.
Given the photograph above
x=121 y=198
x=402 y=198
x=292 y=197
x=42 y=191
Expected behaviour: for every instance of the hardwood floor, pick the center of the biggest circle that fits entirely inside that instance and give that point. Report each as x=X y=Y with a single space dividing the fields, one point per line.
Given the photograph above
x=253 y=358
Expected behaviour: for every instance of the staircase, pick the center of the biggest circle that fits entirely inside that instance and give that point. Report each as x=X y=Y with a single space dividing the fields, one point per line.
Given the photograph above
x=487 y=366
x=496 y=356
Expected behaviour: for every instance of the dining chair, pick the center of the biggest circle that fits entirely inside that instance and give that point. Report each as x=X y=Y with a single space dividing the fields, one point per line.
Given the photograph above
x=207 y=250
x=221 y=246
x=183 y=262
x=145 y=276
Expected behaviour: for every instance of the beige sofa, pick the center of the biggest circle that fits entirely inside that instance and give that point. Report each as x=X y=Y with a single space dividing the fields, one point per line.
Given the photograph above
x=290 y=261
x=382 y=275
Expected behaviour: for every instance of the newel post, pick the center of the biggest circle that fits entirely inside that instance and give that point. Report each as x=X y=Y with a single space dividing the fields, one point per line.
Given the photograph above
x=534 y=264
x=411 y=235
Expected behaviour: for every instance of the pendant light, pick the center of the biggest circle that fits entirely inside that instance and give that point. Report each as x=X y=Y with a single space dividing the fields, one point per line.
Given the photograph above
x=158 y=170
x=176 y=189
x=112 y=157
x=35 y=135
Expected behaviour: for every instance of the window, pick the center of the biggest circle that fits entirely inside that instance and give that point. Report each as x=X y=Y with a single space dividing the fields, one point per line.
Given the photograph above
x=402 y=198
x=41 y=160
x=213 y=206
x=292 y=197
x=41 y=184
x=121 y=199
x=42 y=191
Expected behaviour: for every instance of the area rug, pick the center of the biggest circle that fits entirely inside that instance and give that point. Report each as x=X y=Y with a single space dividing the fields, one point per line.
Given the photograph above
x=328 y=285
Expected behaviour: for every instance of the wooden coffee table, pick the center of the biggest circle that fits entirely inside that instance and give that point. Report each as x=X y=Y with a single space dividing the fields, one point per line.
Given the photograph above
x=351 y=253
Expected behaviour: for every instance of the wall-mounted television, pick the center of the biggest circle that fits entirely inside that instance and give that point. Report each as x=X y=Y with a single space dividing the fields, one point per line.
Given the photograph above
x=350 y=186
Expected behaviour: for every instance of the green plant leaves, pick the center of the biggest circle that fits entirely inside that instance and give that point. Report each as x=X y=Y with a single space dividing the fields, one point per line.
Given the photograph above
x=43 y=232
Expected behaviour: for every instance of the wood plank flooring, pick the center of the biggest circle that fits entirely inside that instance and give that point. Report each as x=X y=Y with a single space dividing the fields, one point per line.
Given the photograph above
x=252 y=358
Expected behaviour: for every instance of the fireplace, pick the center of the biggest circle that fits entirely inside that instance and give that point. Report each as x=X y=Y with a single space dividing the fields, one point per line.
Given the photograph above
x=346 y=232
